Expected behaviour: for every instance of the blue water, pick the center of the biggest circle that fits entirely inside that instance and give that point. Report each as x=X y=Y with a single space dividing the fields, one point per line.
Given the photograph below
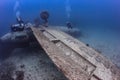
x=99 y=20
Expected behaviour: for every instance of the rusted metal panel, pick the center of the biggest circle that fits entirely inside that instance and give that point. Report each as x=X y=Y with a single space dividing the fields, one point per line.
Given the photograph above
x=88 y=67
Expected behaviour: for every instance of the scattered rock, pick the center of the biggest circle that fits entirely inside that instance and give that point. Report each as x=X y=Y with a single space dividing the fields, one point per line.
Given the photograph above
x=22 y=66
x=87 y=45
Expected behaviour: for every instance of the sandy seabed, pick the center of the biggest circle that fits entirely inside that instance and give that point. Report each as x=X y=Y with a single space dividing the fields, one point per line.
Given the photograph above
x=30 y=63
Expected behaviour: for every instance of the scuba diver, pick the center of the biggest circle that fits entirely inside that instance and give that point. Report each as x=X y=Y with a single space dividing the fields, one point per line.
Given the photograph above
x=18 y=27
x=69 y=25
x=36 y=22
x=45 y=15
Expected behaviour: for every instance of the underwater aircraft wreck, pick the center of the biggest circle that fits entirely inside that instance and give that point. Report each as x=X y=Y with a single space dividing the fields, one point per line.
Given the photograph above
x=76 y=60
x=73 y=58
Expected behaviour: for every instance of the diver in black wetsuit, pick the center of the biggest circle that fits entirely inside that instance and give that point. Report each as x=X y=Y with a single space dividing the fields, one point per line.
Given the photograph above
x=18 y=27
x=45 y=15
x=69 y=25
x=20 y=21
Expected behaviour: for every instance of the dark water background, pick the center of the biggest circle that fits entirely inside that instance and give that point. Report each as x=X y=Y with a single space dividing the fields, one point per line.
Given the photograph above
x=99 y=20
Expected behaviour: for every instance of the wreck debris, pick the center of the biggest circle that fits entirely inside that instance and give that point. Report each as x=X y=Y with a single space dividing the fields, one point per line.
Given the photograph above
x=45 y=15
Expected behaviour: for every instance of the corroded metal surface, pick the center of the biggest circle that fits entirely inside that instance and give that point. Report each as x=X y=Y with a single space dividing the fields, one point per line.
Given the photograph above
x=74 y=58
